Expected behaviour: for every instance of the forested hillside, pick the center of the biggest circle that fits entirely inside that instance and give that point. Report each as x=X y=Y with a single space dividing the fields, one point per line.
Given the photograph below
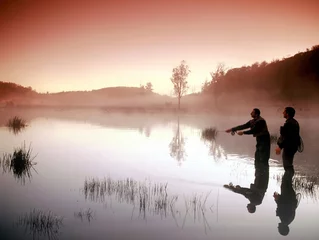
x=292 y=78
x=9 y=90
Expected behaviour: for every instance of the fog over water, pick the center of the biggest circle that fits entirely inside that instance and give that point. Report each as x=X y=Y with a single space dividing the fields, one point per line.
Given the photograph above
x=140 y=176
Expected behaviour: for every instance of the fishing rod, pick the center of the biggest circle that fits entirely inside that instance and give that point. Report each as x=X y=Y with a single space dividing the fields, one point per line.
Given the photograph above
x=218 y=131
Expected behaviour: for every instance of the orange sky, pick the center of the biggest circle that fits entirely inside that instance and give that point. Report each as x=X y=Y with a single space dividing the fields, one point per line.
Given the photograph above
x=83 y=45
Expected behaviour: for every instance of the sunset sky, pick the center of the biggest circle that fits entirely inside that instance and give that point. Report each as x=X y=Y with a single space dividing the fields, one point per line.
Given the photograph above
x=83 y=45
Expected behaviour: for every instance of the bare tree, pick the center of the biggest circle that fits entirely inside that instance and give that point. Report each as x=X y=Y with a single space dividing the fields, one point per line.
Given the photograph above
x=178 y=79
x=217 y=77
x=205 y=86
x=149 y=87
x=219 y=73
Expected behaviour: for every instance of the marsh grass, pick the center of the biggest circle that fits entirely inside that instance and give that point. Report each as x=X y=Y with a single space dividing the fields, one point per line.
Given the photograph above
x=273 y=139
x=148 y=197
x=87 y=214
x=41 y=224
x=19 y=163
x=306 y=185
x=209 y=134
x=196 y=206
x=128 y=190
x=16 y=124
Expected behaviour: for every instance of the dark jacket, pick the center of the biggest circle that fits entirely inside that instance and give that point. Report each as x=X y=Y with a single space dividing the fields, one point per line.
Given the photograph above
x=258 y=128
x=289 y=135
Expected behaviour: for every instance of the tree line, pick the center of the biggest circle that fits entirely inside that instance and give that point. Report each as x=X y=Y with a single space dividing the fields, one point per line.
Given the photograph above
x=292 y=78
x=7 y=89
x=295 y=77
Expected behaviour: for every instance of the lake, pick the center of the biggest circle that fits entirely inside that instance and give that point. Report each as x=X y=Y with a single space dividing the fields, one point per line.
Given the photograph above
x=145 y=176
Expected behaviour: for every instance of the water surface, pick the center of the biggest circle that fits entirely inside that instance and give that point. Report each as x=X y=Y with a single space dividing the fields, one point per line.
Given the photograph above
x=103 y=176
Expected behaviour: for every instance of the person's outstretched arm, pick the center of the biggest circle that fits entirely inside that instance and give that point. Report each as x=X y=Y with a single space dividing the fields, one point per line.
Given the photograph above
x=257 y=128
x=240 y=127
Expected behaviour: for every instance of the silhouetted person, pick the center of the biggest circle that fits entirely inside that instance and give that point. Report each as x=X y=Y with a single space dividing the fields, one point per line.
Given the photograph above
x=289 y=139
x=258 y=128
x=255 y=194
x=287 y=203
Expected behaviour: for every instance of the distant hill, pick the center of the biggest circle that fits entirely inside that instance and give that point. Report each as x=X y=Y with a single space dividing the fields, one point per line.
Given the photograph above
x=112 y=92
x=13 y=94
x=290 y=79
x=293 y=78
x=8 y=90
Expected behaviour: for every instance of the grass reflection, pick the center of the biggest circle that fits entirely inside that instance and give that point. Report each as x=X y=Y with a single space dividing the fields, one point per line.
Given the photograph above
x=150 y=199
x=16 y=124
x=306 y=185
x=273 y=139
x=19 y=163
x=41 y=224
x=87 y=214
x=209 y=135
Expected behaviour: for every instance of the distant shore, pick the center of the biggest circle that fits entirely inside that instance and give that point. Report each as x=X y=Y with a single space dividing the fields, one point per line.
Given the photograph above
x=186 y=109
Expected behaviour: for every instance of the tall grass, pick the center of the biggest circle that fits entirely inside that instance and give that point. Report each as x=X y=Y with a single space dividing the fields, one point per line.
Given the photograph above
x=41 y=224
x=148 y=197
x=128 y=190
x=209 y=134
x=308 y=186
x=16 y=124
x=87 y=214
x=273 y=139
x=19 y=163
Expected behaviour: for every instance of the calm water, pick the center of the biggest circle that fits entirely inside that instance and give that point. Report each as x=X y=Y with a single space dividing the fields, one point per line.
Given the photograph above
x=102 y=176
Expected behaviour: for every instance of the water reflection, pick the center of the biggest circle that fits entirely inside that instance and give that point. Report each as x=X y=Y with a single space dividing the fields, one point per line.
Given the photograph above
x=16 y=125
x=152 y=198
x=177 y=145
x=304 y=184
x=87 y=215
x=209 y=135
x=41 y=224
x=126 y=191
x=16 y=130
x=20 y=163
x=145 y=131
x=145 y=195
x=287 y=202
x=256 y=192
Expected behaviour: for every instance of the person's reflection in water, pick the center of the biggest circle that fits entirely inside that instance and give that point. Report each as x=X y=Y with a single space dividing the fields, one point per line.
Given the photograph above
x=255 y=194
x=287 y=202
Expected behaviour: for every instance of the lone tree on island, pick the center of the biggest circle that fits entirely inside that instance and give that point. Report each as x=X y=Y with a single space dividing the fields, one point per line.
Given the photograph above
x=178 y=79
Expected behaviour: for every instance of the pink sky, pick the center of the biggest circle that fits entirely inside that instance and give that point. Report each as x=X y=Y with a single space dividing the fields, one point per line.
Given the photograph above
x=83 y=45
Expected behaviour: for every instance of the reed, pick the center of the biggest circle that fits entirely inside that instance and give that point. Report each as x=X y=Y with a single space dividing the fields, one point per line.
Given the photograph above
x=19 y=163
x=16 y=124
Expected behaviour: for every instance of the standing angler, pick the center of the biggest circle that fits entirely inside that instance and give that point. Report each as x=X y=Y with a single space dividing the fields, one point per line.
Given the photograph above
x=258 y=128
x=289 y=139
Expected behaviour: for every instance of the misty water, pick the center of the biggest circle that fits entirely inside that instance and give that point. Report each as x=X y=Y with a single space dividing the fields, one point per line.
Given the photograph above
x=128 y=176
